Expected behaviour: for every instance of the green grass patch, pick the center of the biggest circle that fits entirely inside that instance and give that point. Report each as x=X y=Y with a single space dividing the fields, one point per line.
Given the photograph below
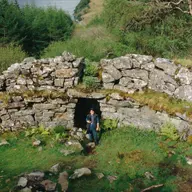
x=127 y=153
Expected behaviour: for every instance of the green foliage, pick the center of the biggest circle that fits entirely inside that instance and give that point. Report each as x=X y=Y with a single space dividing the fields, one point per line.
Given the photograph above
x=126 y=153
x=78 y=12
x=91 y=68
x=91 y=82
x=109 y=124
x=148 y=29
x=10 y=54
x=169 y=131
x=37 y=131
x=92 y=49
x=59 y=129
x=31 y=27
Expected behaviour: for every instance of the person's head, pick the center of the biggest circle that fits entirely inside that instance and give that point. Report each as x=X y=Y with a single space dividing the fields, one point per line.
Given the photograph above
x=92 y=111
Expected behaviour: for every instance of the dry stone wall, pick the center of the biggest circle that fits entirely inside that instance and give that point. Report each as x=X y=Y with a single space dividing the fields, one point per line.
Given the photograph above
x=131 y=73
x=43 y=91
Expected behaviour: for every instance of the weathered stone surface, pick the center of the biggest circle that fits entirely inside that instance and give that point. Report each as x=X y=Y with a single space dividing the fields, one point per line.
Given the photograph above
x=184 y=92
x=56 y=168
x=136 y=74
x=59 y=82
x=111 y=70
x=122 y=63
x=22 y=182
x=184 y=76
x=161 y=82
x=48 y=185
x=166 y=65
x=65 y=73
x=107 y=78
x=80 y=172
x=35 y=176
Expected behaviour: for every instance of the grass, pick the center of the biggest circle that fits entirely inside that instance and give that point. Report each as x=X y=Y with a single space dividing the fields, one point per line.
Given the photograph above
x=185 y=62
x=126 y=153
x=10 y=54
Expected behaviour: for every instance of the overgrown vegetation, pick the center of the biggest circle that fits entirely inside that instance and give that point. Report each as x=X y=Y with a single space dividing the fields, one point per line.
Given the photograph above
x=31 y=27
x=150 y=28
x=126 y=153
x=10 y=54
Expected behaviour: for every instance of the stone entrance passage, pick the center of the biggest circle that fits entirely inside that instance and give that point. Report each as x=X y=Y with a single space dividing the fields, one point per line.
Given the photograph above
x=82 y=109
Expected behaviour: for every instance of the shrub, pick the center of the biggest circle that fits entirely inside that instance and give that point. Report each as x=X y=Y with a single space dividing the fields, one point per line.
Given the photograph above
x=59 y=129
x=91 y=68
x=109 y=124
x=10 y=54
x=169 y=131
x=91 y=82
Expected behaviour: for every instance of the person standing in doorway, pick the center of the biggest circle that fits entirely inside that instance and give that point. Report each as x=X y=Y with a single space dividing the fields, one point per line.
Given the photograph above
x=93 y=125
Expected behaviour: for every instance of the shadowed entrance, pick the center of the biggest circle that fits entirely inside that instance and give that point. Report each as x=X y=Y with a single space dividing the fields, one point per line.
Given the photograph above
x=82 y=109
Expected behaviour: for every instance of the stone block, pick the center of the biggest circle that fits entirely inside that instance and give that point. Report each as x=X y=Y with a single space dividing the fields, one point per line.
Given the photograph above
x=59 y=82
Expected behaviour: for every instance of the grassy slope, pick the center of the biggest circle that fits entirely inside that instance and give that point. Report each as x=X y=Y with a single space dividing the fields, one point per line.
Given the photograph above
x=126 y=153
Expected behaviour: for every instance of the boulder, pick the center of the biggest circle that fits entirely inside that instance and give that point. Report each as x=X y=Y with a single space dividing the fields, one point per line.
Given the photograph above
x=22 y=182
x=99 y=175
x=80 y=172
x=63 y=181
x=4 y=142
x=36 y=143
x=56 y=168
x=35 y=176
x=48 y=185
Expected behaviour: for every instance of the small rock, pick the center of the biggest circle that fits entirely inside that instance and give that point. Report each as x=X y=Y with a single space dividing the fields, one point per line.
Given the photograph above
x=80 y=172
x=48 y=185
x=4 y=142
x=149 y=175
x=36 y=176
x=36 y=143
x=91 y=145
x=63 y=181
x=56 y=168
x=26 y=189
x=189 y=161
x=66 y=152
x=22 y=182
x=112 y=178
x=99 y=175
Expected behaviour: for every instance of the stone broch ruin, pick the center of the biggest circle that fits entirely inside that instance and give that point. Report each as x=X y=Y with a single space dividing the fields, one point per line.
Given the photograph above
x=45 y=92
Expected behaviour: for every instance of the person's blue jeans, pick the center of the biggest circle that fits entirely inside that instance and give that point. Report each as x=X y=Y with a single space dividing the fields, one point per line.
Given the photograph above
x=93 y=133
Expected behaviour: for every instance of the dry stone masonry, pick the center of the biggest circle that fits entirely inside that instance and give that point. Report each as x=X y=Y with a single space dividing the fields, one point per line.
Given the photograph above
x=43 y=91
x=131 y=73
